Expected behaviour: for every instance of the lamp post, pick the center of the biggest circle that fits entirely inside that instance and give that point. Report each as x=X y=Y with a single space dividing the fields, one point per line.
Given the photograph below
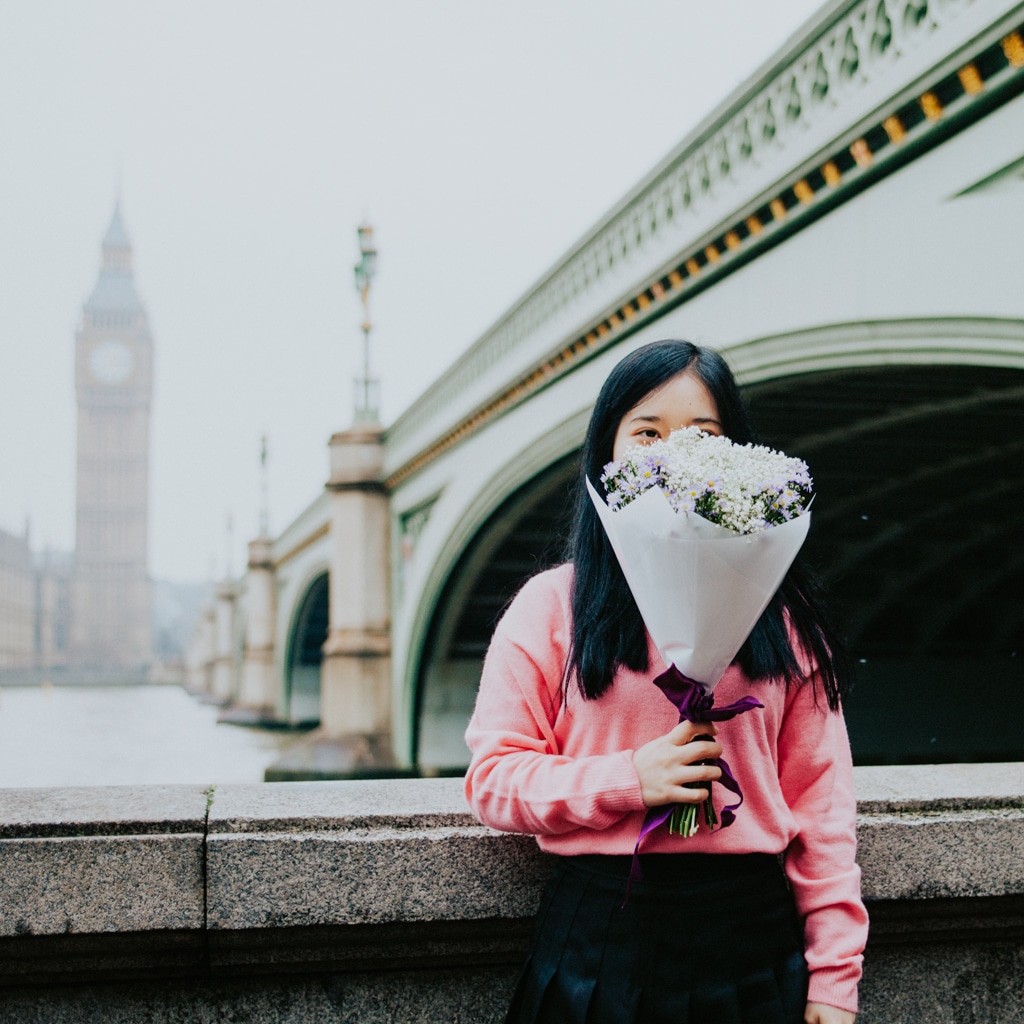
x=366 y=388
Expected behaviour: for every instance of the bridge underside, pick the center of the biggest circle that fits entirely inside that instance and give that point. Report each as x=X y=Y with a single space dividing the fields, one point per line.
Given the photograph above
x=305 y=655
x=920 y=481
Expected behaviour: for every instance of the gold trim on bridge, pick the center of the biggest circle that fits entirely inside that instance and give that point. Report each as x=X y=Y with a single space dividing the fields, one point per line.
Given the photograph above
x=912 y=121
x=321 y=531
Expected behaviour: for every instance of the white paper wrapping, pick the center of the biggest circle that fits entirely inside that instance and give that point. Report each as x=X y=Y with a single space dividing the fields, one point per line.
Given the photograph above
x=700 y=587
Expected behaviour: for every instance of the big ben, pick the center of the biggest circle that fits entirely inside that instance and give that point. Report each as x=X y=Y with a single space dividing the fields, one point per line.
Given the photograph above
x=110 y=624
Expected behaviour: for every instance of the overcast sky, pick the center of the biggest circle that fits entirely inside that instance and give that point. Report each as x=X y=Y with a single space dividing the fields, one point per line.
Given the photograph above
x=248 y=139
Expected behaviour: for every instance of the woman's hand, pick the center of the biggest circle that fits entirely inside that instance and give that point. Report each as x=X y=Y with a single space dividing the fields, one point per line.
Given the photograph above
x=819 y=1013
x=666 y=764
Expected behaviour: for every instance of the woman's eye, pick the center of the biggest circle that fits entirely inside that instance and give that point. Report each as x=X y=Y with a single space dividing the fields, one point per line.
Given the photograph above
x=650 y=433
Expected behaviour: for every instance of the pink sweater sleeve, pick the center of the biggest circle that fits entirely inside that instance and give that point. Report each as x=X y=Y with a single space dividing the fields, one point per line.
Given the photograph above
x=518 y=779
x=816 y=777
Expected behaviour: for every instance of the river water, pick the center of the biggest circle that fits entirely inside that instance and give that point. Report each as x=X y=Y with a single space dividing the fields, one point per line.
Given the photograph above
x=124 y=735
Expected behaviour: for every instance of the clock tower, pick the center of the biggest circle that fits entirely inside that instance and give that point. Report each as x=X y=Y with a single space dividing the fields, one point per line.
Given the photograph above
x=110 y=597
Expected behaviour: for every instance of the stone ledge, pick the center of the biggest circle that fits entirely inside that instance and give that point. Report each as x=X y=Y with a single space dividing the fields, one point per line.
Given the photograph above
x=345 y=900
x=41 y=959
x=87 y=860
x=474 y=994
x=289 y=880
x=93 y=884
x=922 y=856
x=329 y=806
x=933 y=787
x=102 y=810
x=954 y=921
x=367 y=852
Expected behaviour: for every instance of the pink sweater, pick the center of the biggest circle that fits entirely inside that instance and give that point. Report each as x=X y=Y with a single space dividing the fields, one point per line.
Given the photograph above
x=564 y=773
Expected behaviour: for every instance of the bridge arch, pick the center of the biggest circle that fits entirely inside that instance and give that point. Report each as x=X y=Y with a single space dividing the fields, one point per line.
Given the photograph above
x=307 y=631
x=503 y=504
x=912 y=341
x=523 y=535
x=887 y=413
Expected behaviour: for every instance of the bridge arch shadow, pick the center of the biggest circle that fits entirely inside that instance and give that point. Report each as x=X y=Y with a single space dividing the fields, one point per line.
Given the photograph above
x=919 y=471
x=306 y=635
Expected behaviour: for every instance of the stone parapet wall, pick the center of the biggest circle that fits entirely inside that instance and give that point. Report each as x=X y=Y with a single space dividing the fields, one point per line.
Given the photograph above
x=386 y=901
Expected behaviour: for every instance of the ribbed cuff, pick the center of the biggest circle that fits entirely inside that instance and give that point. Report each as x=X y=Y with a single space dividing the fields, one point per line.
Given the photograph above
x=834 y=986
x=620 y=787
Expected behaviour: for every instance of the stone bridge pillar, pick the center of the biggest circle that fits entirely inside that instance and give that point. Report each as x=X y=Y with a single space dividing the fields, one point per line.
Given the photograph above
x=355 y=689
x=256 y=692
x=207 y=647
x=201 y=654
x=224 y=658
x=197 y=657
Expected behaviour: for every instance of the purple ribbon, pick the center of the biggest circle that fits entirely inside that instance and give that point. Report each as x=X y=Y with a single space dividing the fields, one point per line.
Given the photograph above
x=694 y=705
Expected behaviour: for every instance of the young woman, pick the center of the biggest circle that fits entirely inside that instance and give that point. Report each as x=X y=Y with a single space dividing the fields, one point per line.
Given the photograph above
x=758 y=923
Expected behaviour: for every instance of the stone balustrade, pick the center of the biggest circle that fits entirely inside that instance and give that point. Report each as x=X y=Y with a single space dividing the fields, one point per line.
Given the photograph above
x=386 y=901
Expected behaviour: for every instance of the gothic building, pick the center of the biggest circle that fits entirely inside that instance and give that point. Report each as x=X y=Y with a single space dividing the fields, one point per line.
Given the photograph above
x=110 y=613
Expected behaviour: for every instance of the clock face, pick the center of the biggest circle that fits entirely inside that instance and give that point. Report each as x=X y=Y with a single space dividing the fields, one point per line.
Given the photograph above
x=111 y=361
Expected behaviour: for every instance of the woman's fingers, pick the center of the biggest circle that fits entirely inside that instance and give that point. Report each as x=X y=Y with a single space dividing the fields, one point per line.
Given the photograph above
x=687 y=795
x=687 y=773
x=667 y=764
x=684 y=785
x=697 y=773
x=685 y=731
x=695 y=750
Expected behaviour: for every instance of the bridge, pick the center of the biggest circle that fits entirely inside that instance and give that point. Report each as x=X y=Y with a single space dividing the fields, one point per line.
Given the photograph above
x=845 y=228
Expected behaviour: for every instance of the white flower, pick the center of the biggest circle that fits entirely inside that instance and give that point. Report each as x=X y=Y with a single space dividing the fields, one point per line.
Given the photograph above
x=745 y=488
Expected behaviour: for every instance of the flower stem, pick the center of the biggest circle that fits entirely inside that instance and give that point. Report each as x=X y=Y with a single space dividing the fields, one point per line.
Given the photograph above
x=685 y=818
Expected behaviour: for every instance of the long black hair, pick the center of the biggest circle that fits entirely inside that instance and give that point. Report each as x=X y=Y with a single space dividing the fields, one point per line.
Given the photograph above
x=607 y=630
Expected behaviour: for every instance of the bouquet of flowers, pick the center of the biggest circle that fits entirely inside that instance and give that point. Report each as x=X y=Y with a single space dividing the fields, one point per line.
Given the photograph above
x=745 y=488
x=704 y=530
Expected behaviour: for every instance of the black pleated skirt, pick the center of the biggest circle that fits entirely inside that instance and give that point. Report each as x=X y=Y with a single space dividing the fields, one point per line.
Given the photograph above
x=703 y=939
